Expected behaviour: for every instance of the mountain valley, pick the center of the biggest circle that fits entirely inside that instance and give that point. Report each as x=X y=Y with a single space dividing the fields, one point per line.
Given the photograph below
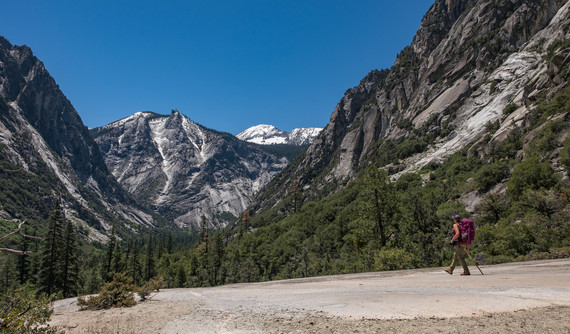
x=472 y=119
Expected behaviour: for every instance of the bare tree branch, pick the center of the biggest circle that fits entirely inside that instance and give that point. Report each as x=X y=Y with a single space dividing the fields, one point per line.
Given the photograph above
x=5 y=324
x=17 y=232
x=14 y=251
x=9 y=235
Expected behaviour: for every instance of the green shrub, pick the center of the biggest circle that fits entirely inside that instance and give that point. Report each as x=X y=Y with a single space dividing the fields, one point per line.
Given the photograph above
x=492 y=127
x=23 y=312
x=531 y=174
x=534 y=256
x=154 y=284
x=490 y=175
x=558 y=44
x=496 y=259
x=117 y=293
x=410 y=147
x=406 y=124
x=449 y=209
x=544 y=202
x=546 y=140
x=560 y=103
x=555 y=253
x=393 y=259
x=507 y=149
x=408 y=180
x=510 y=108
x=493 y=86
x=492 y=208
x=560 y=252
x=565 y=154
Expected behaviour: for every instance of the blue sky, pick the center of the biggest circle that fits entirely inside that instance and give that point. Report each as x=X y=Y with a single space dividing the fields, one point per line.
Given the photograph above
x=227 y=65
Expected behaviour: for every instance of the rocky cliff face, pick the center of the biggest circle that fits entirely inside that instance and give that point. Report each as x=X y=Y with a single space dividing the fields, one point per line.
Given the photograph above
x=42 y=134
x=184 y=170
x=467 y=62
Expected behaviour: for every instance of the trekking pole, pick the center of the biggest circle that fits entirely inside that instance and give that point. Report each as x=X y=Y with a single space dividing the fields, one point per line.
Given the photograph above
x=473 y=261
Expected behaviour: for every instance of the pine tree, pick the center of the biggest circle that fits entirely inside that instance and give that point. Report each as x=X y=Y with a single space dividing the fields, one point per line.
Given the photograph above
x=106 y=269
x=216 y=257
x=70 y=269
x=180 y=277
x=245 y=219
x=92 y=281
x=204 y=233
x=8 y=276
x=149 y=270
x=49 y=275
x=159 y=247
x=194 y=265
x=378 y=187
x=135 y=269
x=169 y=243
x=295 y=196
x=117 y=263
x=23 y=262
x=128 y=254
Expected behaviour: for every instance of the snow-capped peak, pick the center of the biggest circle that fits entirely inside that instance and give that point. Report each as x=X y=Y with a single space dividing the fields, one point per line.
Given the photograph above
x=268 y=135
x=304 y=136
x=263 y=134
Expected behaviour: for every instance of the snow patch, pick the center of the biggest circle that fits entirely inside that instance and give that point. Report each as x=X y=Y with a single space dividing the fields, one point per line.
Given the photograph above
x=264 y=134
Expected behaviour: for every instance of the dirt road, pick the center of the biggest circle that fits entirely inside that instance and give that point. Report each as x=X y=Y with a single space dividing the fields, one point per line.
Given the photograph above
x=530 y=297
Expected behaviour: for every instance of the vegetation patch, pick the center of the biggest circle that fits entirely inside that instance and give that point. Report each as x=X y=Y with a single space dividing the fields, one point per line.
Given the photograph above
x=117 y=293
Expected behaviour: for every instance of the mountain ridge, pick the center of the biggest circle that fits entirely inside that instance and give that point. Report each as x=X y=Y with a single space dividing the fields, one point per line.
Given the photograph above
x=43 y=136
x=185 y=171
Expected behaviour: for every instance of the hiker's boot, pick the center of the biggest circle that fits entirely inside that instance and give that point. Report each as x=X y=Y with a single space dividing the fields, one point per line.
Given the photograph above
x=465 y=273
x=447 y=270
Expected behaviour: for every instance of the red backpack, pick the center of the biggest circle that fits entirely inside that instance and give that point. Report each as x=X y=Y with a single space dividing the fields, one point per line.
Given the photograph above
x=467 y=231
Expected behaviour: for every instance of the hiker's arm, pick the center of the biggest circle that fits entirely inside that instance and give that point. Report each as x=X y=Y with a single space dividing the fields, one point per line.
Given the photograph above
x=455 y=232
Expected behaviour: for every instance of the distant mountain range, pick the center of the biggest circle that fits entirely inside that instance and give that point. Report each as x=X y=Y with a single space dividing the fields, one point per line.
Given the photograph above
x=264 y=134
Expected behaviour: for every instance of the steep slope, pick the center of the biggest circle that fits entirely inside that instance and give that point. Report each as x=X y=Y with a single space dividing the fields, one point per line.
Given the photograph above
x=184 y=170
x=467 y=62
x=268 y=135
x=43 y=139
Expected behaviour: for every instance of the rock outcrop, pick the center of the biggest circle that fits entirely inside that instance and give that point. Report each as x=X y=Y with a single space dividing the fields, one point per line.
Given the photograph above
x=467 y=62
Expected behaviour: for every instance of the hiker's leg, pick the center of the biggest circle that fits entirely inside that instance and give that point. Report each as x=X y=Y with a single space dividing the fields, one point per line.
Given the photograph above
x=455 y=260
x=461 y=254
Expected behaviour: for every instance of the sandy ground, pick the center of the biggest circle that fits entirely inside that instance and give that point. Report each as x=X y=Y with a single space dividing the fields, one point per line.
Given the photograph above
x=530 y=297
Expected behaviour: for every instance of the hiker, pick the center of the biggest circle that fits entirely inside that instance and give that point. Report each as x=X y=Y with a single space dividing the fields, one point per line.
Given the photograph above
x=459 y=248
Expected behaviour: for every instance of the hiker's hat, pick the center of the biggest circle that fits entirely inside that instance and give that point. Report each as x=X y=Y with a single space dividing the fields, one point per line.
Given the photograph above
x=456 y=217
